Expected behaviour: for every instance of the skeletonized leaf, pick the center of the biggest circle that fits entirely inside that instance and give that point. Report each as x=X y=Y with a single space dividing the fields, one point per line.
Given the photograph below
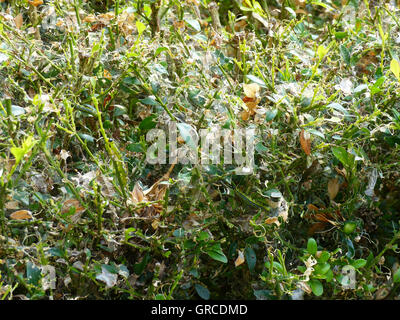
x=333 y=188
x=305 y=142
x=21 y=215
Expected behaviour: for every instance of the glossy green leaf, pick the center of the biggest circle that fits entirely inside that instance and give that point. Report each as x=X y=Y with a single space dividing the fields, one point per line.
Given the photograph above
x=316 y=287
x=312 y=246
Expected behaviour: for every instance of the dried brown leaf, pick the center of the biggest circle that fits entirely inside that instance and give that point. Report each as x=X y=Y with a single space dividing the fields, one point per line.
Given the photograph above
x=251 y=90
x=240 y=259
x=19 y=21
x=72 y=203
x=333 y=188
x=21 y=215
x=305 y=142
x=35 y=3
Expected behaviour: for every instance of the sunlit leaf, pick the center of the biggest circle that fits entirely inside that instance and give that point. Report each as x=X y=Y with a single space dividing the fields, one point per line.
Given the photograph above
x=395 y=68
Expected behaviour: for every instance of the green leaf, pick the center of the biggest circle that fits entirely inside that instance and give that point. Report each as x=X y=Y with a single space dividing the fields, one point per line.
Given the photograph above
x=395 y=68
x=271 y=114
x=322 y=268
x=159 y=50
x=317 y=133
x=322 y=51
x=341 y=35
x=350 y=253
x=291 y=11
x=186 y=132
x=148 y=123
x=396 y=276
x=194 y=24
x=86 y=137
x=138 y=268
x=316 y=287
x=312 y=246
x=33 y=273
x=257 y=80
x=20 y=152
x=349 y=227
x=359 y=263
x=203 y=292
x=179 y=233
x=343 y=156
x=251 y=258
x=17 y=110
x=149 y=101
x=329 y=275
x=324 y=257
x=135 y=147
x=216 y=253
x=338 y=107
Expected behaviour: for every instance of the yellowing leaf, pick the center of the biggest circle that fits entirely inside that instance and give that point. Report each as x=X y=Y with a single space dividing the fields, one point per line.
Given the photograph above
x=395 y=68
x=19 y=21
x=21 y=215
x=321 y=52
x=140 y=27
x=245 y=115
x=107 y=74
x=155 y=224
x=240 y=259
x=305 y=142
x=272 y=220
x=251 y=90
x=20 y=152
x=333 y=188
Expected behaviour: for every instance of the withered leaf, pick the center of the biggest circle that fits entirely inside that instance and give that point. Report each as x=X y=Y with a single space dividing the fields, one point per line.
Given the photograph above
x=19 y=21
x=21 y=215
x=305 y=142
x=251 y=90
x=35 y=3
x=72 y=203
x=240 y=259
x=333 y=188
